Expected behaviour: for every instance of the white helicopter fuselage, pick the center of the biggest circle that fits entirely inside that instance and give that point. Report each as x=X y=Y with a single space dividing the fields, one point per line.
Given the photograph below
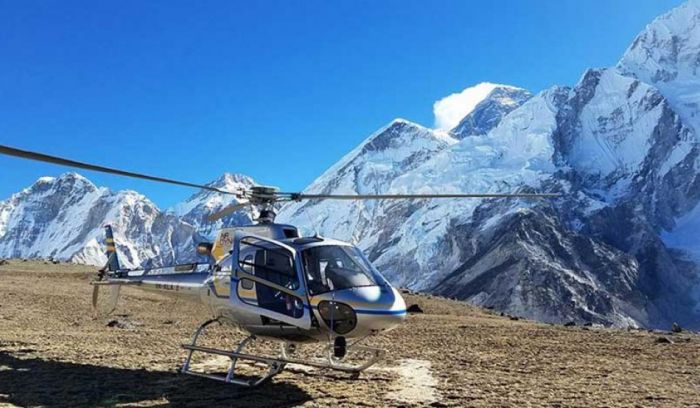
x=292 y=289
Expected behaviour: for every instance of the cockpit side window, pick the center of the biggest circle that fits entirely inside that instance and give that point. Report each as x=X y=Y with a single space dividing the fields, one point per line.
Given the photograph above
x=247 y=266
x=268 y=262
x=334 y=267
x=273 y=265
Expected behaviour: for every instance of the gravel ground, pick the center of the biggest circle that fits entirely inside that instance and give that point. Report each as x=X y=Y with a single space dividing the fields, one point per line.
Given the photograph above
x=54 y=352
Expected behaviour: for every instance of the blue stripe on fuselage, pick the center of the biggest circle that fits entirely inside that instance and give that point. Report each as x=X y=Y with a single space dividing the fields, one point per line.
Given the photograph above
x=382 y=312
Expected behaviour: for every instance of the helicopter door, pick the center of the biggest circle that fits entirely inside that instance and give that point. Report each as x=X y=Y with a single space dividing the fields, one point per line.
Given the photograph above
x=268 y=280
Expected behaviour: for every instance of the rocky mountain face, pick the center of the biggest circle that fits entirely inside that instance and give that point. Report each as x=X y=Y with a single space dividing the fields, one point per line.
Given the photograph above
x=617 y=248
x=63 y=218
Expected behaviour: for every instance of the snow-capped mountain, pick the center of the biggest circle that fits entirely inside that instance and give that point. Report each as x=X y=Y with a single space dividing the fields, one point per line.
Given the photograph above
x=385 y=155
x=621 y=147
x=402 y=236
x=64 y=218
x=595 y=254
x=197 y=207
x=666 y=55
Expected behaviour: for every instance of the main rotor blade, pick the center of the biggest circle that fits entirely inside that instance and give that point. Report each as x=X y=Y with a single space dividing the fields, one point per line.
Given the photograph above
x=297 y=197
x=25 y=154
x=226 y=211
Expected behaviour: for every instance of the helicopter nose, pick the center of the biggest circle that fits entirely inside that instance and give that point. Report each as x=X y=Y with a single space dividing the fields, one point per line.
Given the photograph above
x=362 y=311
x=388 y=311
x=398 y=309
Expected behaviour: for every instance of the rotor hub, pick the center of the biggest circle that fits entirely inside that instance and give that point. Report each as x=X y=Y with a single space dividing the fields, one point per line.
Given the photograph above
x=261 y=195
x=264 y=198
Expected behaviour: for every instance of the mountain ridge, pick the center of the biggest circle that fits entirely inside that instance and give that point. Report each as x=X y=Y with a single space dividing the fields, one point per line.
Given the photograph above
x=63 y=218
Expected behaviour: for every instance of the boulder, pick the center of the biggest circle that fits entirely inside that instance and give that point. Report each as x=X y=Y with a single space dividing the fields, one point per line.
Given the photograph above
x=414 y=308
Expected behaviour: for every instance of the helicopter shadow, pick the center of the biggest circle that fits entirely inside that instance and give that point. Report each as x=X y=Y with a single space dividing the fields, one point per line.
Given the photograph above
x=38 y=382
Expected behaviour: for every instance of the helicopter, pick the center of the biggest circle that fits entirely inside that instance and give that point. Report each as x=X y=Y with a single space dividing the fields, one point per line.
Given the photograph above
x=269 y=282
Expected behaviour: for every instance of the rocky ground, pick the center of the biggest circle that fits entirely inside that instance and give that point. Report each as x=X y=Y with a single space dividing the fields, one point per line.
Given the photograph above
x=54 y=352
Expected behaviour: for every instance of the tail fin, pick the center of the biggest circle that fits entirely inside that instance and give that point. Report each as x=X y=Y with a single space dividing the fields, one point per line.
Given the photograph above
x=112 y=257
x=104 y=308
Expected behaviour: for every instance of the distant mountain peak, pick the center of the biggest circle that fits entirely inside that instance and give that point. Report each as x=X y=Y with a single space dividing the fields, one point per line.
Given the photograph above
x=232 y=181
x=67 y=182
x=401 y=138
x=667 y=44
x=396 y=124
x=450 y=110
x=488 y=113
x=666 y=54
x=386 y=154
x=68 y=177
x=195 y=209
x=401 y=121
x=63 y=217
x=396 y=132
x=45 y=180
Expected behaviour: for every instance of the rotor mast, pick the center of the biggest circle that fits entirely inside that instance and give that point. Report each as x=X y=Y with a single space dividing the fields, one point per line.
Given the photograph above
x=264 y=198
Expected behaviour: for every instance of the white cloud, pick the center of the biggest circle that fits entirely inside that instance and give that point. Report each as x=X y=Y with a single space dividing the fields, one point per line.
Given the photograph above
x=451 y=109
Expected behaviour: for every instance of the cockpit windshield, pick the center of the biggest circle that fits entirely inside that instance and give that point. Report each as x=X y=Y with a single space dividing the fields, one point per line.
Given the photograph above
x=334 y=267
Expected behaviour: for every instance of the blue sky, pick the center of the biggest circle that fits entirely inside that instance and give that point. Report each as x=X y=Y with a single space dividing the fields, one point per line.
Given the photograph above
x=278 y=90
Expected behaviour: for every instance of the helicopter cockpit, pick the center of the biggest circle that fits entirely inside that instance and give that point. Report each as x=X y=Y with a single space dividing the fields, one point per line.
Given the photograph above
x=304 y=281
x=336 y=267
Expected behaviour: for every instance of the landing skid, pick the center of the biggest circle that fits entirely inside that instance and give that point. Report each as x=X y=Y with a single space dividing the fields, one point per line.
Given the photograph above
x=274 y=364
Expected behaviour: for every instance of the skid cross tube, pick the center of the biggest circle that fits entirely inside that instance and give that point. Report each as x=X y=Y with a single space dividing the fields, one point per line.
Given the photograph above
x=274 y=364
